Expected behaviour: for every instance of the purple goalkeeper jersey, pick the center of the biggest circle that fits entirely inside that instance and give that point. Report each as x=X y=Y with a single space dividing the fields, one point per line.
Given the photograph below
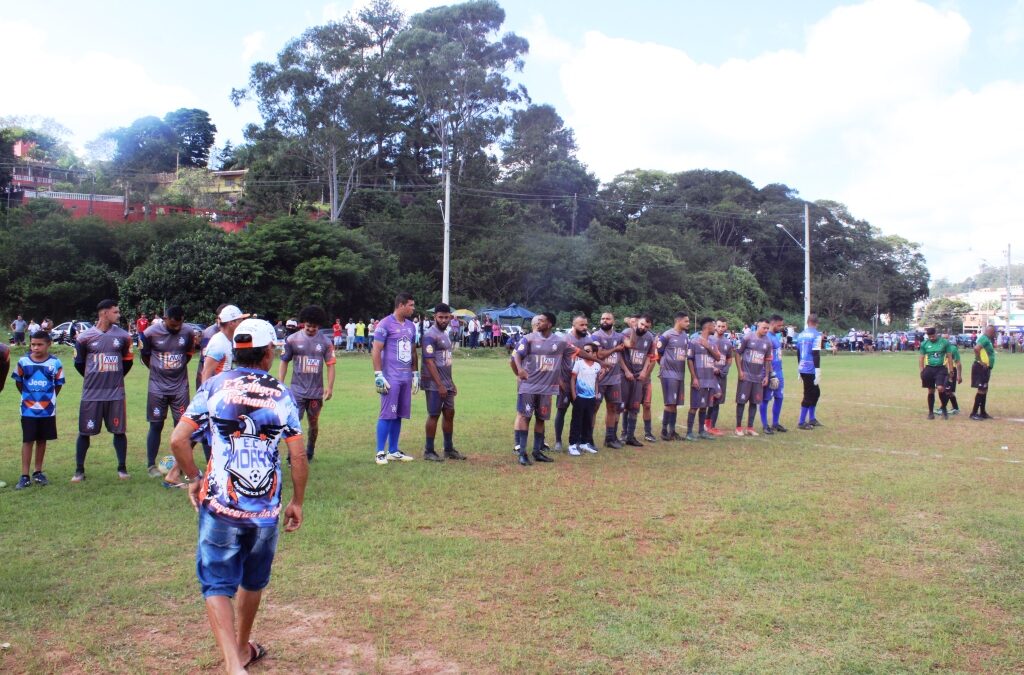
x=673 y=350
x=399 y=340
x=103 y=355
x=542 y=360
x=310 y=355
x=753 y=351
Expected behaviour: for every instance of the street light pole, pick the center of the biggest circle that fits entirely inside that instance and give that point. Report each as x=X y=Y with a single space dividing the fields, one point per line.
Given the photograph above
x=806 y=246
x=446 y=209
x=1009 y=304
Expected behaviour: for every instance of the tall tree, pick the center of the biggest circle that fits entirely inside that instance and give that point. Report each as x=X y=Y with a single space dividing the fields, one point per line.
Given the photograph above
x=195 y=134
x=147 y=145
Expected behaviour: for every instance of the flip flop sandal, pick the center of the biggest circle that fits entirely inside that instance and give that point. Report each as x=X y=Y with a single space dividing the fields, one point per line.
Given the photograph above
x=256 y=652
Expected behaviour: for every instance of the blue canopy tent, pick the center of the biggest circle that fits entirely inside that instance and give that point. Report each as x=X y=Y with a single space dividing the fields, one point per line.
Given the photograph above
x=511 y=314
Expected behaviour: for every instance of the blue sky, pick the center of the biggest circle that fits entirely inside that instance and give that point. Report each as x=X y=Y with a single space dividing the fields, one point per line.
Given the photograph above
x=907 y=111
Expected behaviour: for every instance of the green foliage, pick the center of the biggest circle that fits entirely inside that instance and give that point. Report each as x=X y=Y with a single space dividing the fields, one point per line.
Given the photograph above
x=946 y=314
x=195 y=134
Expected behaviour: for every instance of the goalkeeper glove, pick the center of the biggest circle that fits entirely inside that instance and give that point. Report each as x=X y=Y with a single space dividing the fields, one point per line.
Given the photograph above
x=381 y=382
x=773 y=382
x=415 y=383
x=817 y=376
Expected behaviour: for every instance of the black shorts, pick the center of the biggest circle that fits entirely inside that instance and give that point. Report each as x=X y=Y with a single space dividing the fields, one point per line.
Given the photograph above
x=934 y=376
x=980 y=376
x=611 y=393
x=38 y=429
x=311 y=405
x=950 y=383
x=435 y=404
x=93 y=414
x=633 y=392
x=157 y=406
x=702 y=398
x=534 y=405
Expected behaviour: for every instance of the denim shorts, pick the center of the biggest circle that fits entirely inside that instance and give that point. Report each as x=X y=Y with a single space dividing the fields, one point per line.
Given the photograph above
x=229 y=556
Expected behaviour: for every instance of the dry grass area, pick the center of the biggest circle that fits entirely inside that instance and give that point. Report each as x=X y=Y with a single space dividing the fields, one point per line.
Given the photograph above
x=882 y=542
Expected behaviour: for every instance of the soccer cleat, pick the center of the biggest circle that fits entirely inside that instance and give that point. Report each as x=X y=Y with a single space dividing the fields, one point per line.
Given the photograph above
x=23 y=483
x=986 y=416
x=739 y=431
x=78 y=477
x=954 y=411
x=574 y=450
x=432 y=456
x=399 y=456
x=154 y=472
x=539 y=456
x=690 y=437
x=631 y=441
x=767 y=431
x=780 y=428
x=931 y=416
x=977 y=418
x=677 y=437
x=716 y=432
x=945 y=415
x=807 y=426
x=546 y=448
x=558 y=446
x=524 y=459
x=815 y=423
x=589 y=447
x=123 y=475
x=650 y=438
x=381 y=458
x=615 y=444
x=666 y=436
x=39 y=478
x=749 y=431
x=705 y=436
x=452 y=453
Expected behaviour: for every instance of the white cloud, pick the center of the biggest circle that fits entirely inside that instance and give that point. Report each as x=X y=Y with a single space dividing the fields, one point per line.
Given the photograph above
x=866 y=111
x=96 y=91
x=336 y=11
x=252 y=44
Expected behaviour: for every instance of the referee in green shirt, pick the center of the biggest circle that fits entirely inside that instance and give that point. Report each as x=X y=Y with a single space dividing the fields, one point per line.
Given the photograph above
x=981 y=372
x=934 y=365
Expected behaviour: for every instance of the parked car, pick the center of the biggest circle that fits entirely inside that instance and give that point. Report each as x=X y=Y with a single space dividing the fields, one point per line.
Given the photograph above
x=61 y=333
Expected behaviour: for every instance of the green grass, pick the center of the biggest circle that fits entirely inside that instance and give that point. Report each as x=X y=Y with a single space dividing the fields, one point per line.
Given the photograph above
x=881 y=543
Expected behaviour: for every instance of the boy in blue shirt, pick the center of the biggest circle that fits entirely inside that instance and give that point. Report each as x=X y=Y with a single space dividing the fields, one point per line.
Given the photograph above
x=39 y=377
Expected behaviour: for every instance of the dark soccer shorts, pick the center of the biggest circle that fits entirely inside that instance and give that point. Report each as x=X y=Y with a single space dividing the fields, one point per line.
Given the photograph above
x=311 y=405
x=672 y=391
x=702 y=398
x=563 y=399
x=749 y=392
x=951 y=383
x=157 y=406
x=229 y=556
x=611 y=393
x=435 y=404
x=38 y=429
x=93 y=414
x=723 y=385
x=633 y=392
x=934 y=376
x=980 y=376
x=530 y=405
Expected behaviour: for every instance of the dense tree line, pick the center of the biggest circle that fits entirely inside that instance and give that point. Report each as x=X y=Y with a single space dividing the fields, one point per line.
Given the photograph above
x=361 y=121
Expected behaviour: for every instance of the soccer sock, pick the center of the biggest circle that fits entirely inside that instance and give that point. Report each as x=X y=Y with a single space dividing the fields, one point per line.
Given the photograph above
x=383 y=426
x=689 y=421
x=664 y=421
x=559 y=423
x=702 y=415
x=714 y=416
x=647 y=427
x=803 y=414
x=394 y=432
x=739 y=414
x=81 y=447
x=521 y=439
x=538 y=442
x=311 y=435
x=672 y=422
x=810 y=413
x=153 y=441
x=750 y=414
x=763 y=408
x=952 y=399
x=776 y=411
x=429 y=444
x=977 y=404
x=121 y=450
x=984 y=400
x=448 y=444
x=931 y=401
x=943 y=401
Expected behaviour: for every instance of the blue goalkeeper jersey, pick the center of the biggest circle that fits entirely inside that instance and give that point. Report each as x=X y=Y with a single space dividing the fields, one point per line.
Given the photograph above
x=807 y=343
x=776 y=339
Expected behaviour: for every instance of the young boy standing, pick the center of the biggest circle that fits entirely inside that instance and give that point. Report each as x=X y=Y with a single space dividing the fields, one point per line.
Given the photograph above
x=583 y=390
x=39 y=378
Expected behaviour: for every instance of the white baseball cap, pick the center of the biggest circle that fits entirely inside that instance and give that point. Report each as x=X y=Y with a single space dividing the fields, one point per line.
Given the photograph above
x=231 y=313
x=253 y=333
x=291 y=323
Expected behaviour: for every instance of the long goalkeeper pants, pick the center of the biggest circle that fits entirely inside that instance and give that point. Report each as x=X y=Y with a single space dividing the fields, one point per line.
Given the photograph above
x=812 y=392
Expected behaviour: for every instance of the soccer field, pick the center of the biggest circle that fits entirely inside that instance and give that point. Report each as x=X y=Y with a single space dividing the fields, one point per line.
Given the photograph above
x=882 y=542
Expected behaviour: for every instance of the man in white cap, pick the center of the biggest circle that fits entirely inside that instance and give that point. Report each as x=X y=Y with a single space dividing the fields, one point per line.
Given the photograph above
x=246 y=412
x=219 y=351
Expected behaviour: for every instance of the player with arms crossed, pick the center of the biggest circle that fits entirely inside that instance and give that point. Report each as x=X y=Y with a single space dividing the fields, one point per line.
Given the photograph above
x=673 y=348
x=702 y=358
x=312 y=352
x=753 y=359
x=246 y=413
x=166 y=351
x=637 y=364
x=723 y=343
x=436 y=381
x=538 y=361
x=612 y=345
x=808 y=350
x=103 y=356
x=396 y=376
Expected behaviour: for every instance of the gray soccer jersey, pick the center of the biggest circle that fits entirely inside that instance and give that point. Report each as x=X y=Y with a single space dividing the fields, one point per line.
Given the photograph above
x=103 y=355
x=726 y=348
x=168 y=355
x=609 y=341
x=753 y=351
x=576 y=343
x=673 y=350
x=310 y=355
x=437 y=347
x=703 y=364
x=542 y=360
x=637 y=356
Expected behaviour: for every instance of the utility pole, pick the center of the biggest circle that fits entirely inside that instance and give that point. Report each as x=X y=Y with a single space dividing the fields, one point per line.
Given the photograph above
x=807 y=261
x=447 y=234
x=574 y=208
x=1009 y=303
